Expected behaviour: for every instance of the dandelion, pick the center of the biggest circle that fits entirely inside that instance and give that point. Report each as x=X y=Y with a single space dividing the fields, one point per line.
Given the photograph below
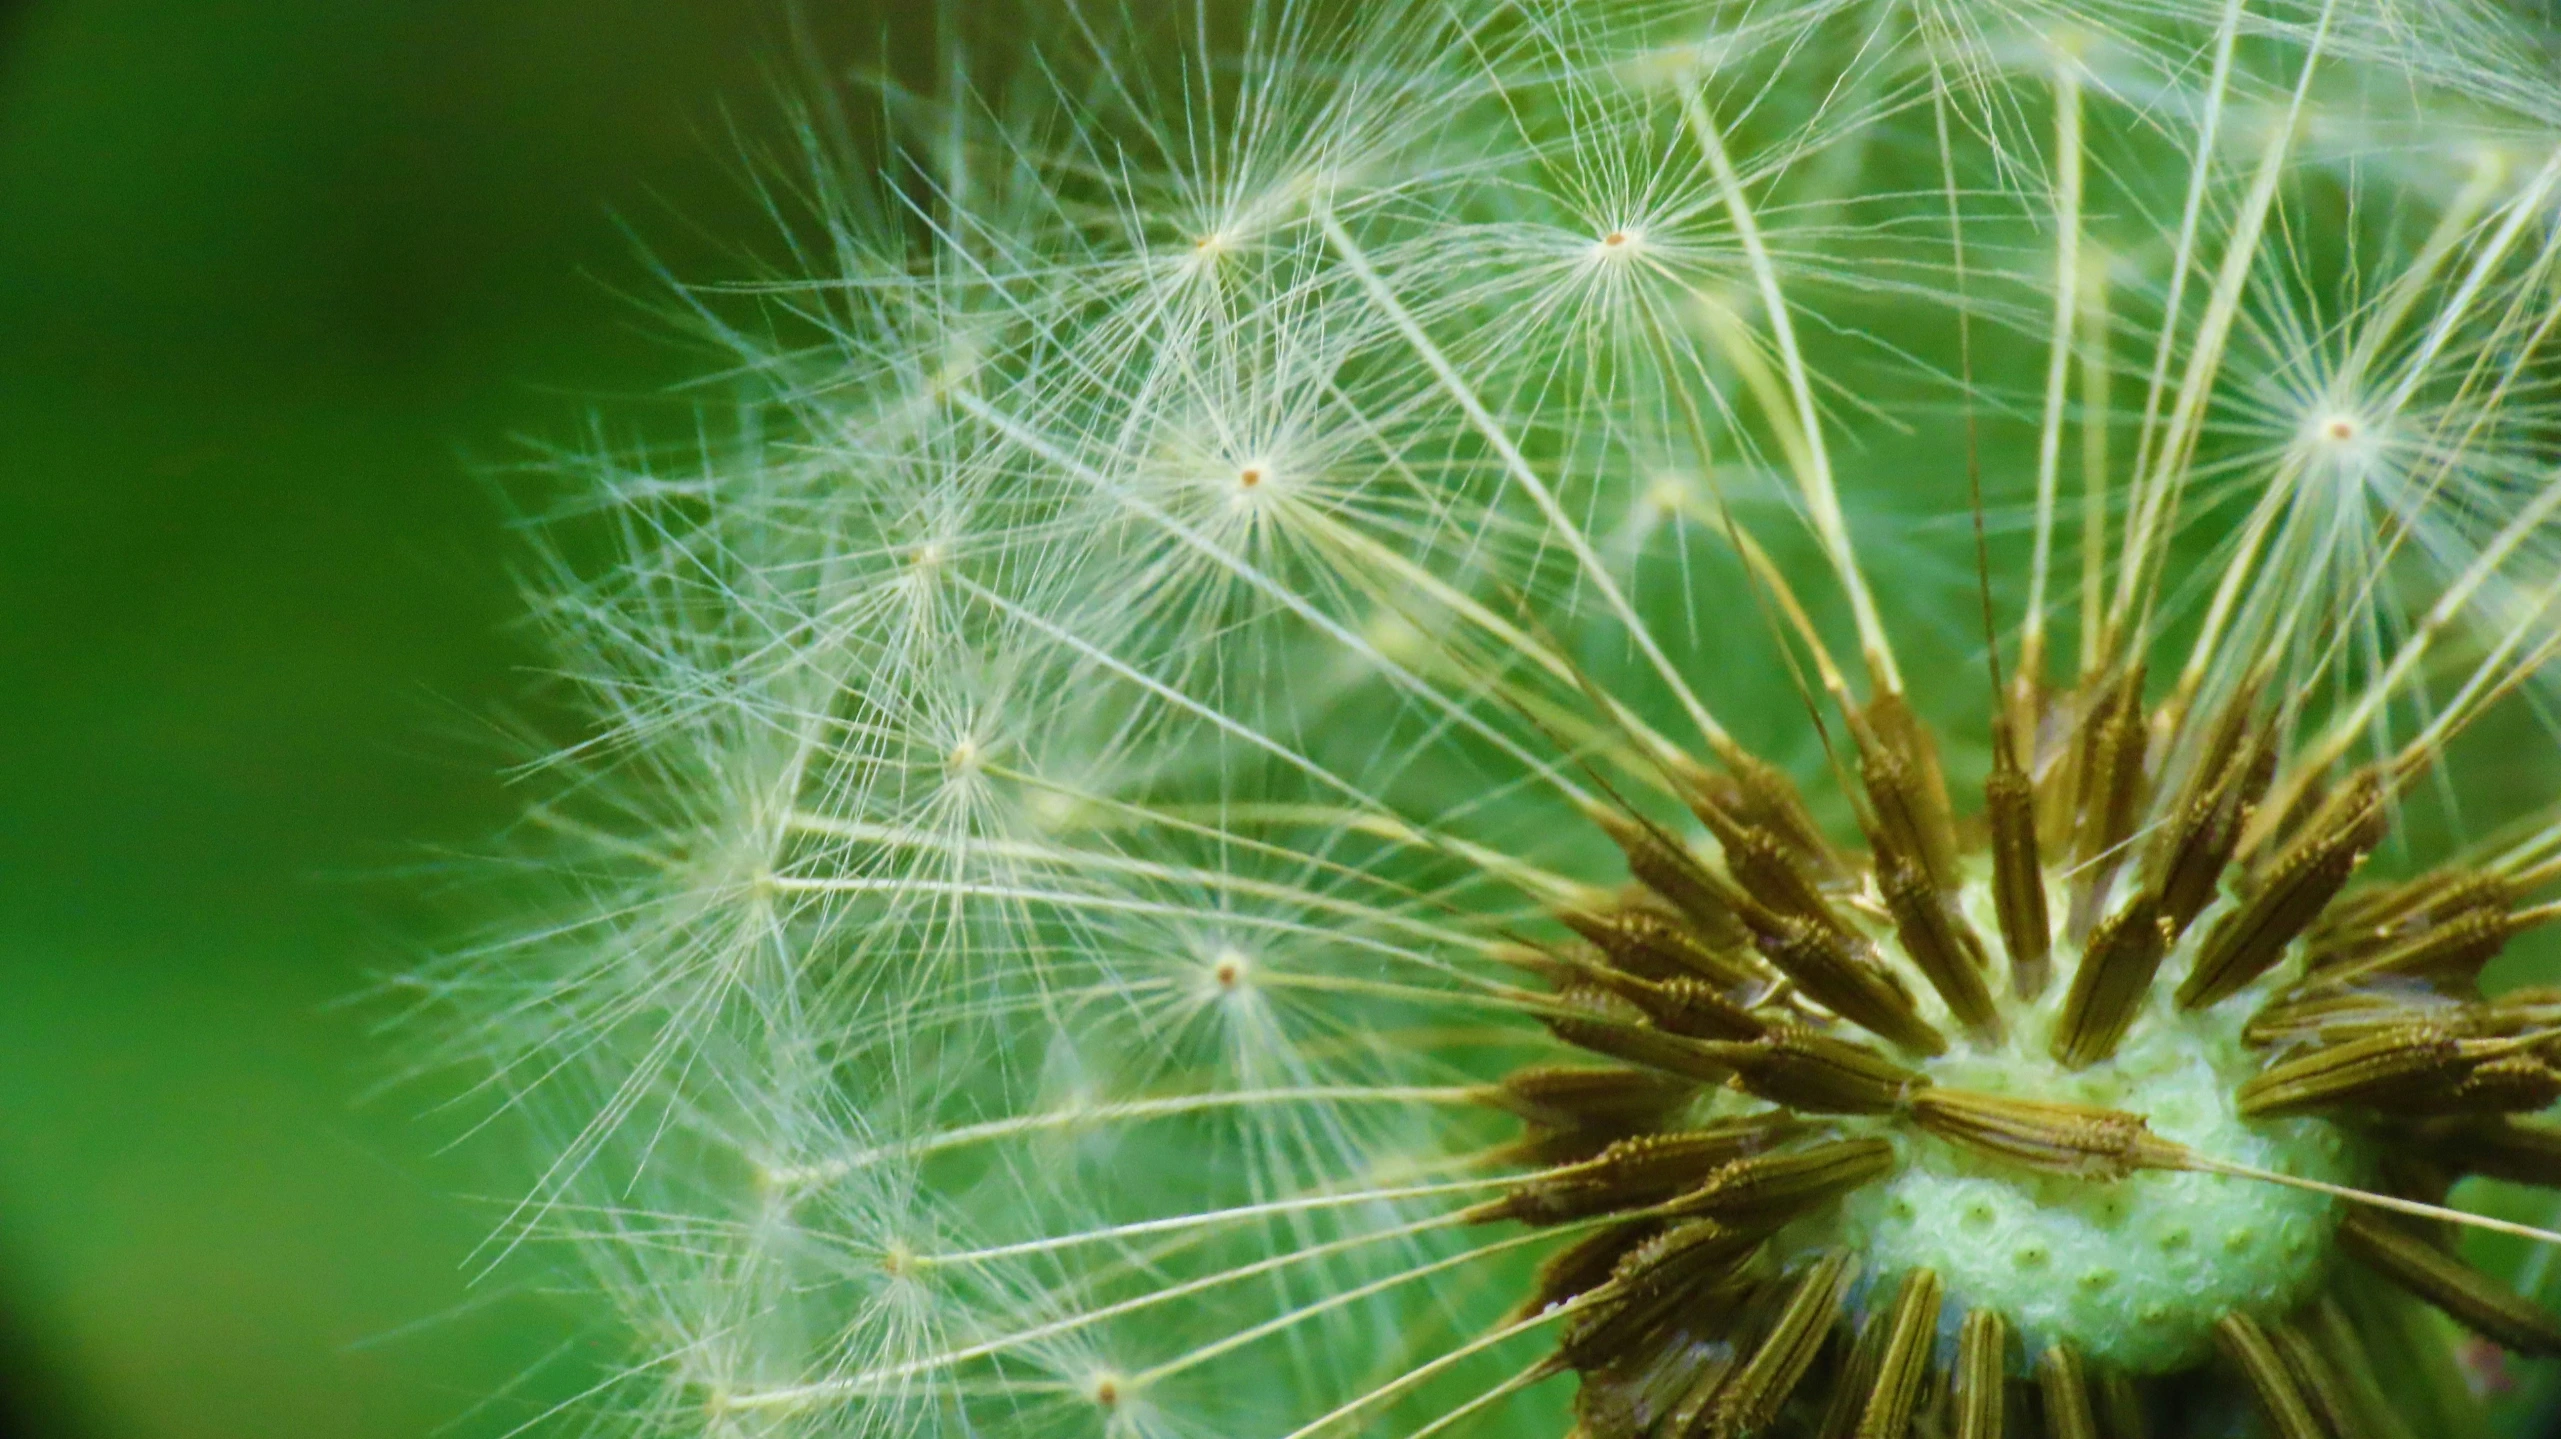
x=1720 y=720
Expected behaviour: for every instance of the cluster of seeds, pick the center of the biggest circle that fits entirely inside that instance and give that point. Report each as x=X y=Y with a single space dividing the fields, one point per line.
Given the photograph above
x=1776 y=1059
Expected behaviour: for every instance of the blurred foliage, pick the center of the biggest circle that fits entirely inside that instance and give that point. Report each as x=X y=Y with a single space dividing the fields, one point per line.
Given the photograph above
x=279 y=279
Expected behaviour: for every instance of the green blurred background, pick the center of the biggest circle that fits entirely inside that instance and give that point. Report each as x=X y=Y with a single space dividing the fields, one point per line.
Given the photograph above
x=280 y=282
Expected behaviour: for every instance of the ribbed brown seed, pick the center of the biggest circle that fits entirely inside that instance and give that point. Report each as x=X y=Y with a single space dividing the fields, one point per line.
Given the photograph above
x=1768 y=874
x=2501 y=1148
x=1637 y=1171
x=2371 y=919
x=1806 y=1069
x=1581 y=1266
x=1777 y=1187
x=2331 y=1017
x=2517 y=1084
x=2292 y=893
x=2330 y=1330
x=1686 y=1006
x=2018 y=874
x=1682 y=1006
x=1653 y=946
x=2120 y=1407
x=1753 y=1396
x=2456 y=949
x=2112 y=784
x=2063 y=1382
x=1942 y=946
x=2413 y=1068
x=1767 y=797
x=2054 y=1138
x=1835 y=971
x=2324 y=1391
x=1620 y=1324
x=1853 y=1379
x=1911 y=1333
x=2205 y=831
x=1563 y=1096
x=1979 y=1384
x=1899 y=768
x=2468 y=1296
x=1662 y=865
x=2115 y=973
x=1621 y=1031
x=2246 y=1345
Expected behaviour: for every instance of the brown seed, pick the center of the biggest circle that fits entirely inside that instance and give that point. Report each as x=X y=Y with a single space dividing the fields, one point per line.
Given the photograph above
x=2395 y=1066
x=1852 y=1379
x=2245 y=943
x=2246 y=1345
x=2502 y=1148
x=2468 y=1296
x=1911 y=1332
x=2107 y=991
x=1899 y=768
x=1752 y=1398
x=1806 y=1069
x=2053 y=1138
x=1836 y=972
x=1979 y=1383
x=1576 y=1097
x=1605 y=1024
x=1637 y=1171
x=2455 y=949
x=1942 y=946
x=1661 y=864
x=2120 y=1407
x=2115 y=746
x=2324 y=1392
x=1773 y=1188
x=1652 y=946
x=2204 y=832
x=1581 y=1266
x=2064 y=1384
x=2018 y=875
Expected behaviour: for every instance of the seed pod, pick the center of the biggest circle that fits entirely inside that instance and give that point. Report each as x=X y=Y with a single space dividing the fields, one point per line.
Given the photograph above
x=2246 y=1345
x=2455 y=949
x=1808 y=1070
x=2054 y=1138
x=1835 y=971
x=2107 y=991
x=2303 y=880
x=2468 y=1296
x=1942 y=946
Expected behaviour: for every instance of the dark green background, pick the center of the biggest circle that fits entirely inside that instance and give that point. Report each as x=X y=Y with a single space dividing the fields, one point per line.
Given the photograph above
x=280 y=282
